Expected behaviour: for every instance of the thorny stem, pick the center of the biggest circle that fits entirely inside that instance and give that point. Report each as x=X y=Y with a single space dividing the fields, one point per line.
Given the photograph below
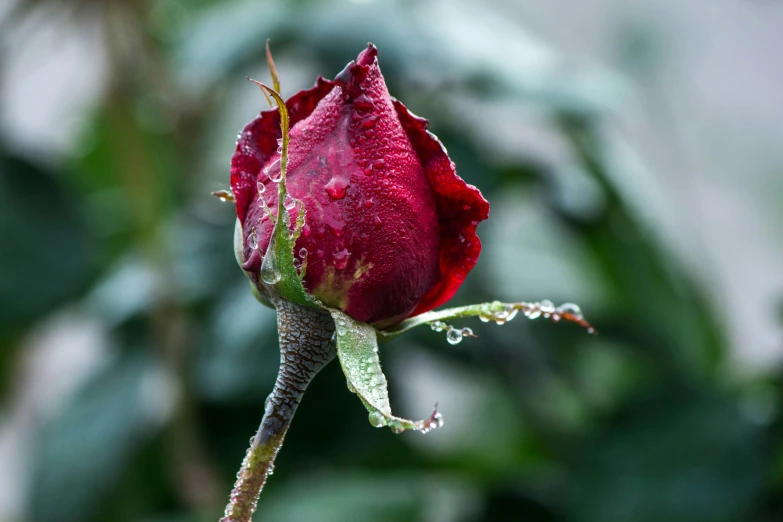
x=305 y=347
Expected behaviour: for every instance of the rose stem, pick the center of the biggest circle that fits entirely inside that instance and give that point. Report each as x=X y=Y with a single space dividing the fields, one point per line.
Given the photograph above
x=305 y=347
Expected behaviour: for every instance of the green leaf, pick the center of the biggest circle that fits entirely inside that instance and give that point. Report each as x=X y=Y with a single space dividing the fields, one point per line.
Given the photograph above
x=357 y=349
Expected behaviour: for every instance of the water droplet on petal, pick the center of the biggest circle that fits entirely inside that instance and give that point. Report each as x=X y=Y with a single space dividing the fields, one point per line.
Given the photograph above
x=368 y=203
x=260 y=187
x=338 y=229
x=302 y=252
x=253 y=240
x=363 y=103
x=336 y=186
x=341 y=259
x=377 y=221
x=369 y=123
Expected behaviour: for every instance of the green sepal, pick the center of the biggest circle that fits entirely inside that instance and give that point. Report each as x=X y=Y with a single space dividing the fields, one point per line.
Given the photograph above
x=357 y=349
x=278 y=271
x=495 y=311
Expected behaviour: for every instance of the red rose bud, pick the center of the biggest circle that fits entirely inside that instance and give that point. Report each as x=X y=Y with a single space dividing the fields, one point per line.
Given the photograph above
x=390 y=228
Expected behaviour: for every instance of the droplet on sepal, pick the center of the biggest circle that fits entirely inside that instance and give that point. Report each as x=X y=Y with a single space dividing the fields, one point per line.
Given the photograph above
x=438 y=326
x=454 y=336
x=273 y=171
x=289 y=203
x=224 y=195
x=377 y=419
x=270 y=273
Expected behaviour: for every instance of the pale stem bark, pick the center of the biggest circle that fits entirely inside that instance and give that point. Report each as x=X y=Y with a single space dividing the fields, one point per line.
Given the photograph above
x=305 y=347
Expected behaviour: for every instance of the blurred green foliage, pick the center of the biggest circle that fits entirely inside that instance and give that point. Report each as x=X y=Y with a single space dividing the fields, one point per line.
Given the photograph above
x=645 y=422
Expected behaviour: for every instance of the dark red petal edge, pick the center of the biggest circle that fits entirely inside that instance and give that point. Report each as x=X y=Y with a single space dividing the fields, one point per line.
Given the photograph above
x=460 y=208
x=258 y=142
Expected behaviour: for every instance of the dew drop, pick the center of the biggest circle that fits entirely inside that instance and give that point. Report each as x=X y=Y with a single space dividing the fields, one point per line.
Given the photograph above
x=454 y=336
x=377 y=221
x=289 y=203
x=272 y=171
x=438 y=326
x=379 y=164
x=368 y=203
x=369 y=133
x=336 y=187
x=377 y=419
x=341 y=259
x=363 y=103
x=465 y=207
x=396 y=427
x=570 y=308
x=467 y=332
x=253 y=240
x=260 y=187
x=303 y=252
x=337 y=229
x=270 y=274
x=369 y=123
x=533 y=314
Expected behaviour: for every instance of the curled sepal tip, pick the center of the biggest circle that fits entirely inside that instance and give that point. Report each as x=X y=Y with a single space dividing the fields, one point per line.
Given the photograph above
x=279 y=271
x=224 y=195
x=357 y=349
x=496 y=312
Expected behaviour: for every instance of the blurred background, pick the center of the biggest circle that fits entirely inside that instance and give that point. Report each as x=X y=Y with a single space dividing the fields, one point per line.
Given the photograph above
x=631 y=152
